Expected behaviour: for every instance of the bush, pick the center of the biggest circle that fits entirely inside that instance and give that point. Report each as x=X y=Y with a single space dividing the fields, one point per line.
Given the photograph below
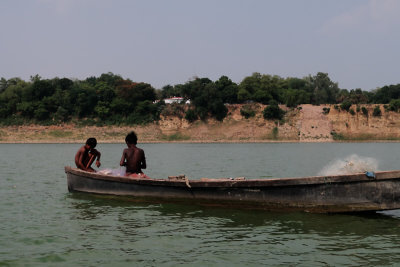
x=275 y=133
x=326 y=110
x=218 y=110
x=337 y=136
x=173 y=109
x=352 y=112
x=364 y=111
x=175 y=137
x=386 y=107
x=191 y=115
x=273 y=111
x=394 y=105
x=345 y=105
x=377 y=111
x=247 y=111
x=13 y=120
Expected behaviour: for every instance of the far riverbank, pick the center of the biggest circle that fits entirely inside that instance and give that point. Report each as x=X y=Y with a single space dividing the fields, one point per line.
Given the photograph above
x=305 y=123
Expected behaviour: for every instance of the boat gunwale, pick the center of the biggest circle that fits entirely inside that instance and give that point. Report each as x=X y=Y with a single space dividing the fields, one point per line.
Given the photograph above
x=228 y=182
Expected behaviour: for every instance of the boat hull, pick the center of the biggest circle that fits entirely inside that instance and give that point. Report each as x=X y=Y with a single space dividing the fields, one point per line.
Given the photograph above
x=342 y=193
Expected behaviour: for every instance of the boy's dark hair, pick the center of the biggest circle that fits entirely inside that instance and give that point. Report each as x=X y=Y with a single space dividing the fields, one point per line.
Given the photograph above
x=131 y=138
x=92 y=142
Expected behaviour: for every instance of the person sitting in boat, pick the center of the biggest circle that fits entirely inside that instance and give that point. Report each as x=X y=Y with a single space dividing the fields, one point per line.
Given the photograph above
x=87 y=154
x=133 y=158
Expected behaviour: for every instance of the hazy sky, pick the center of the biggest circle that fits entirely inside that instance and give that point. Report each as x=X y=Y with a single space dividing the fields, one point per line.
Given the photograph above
x=357 y=42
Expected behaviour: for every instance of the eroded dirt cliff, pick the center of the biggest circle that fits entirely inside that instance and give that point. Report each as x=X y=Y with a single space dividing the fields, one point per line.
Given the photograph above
x=306 y=123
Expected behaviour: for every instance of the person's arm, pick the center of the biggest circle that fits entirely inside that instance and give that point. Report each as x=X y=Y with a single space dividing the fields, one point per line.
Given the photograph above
x=98 y=154
x=91 y=159
x=79 y=159
x=143 y=162
x=122 y=161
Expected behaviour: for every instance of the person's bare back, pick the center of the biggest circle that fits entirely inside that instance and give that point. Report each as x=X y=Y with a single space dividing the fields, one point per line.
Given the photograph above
x=133 y=158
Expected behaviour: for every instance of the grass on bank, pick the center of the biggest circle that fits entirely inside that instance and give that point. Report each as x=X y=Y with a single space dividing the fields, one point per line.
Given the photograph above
x=273 y=135
x=2 y=134
x=175 y=137
x=60 y=133
x=361 y=137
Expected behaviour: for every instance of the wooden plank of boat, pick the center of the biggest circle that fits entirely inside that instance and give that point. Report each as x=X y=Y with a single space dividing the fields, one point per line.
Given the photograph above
x=338 y=193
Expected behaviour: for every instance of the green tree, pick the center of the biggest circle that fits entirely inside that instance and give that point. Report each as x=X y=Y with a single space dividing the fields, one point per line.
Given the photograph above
x=169 y=91
x=262 y=96
x=144 y=112
x=243 y=95
x=102 y=109
x=191 y=115
x=61 y=115
x=39 y=90
x=26 y=109
x=110 y=79
x=121 y=107
x=85 y=100
x=324 y=90
x=295 y=92
x=11 y=97
x=356 y=96
x=385 y=94
x=104 y=92
x=195 y=88
x=394 y=105
x=248 y=87
x=218 y=109
x=3 y=84
x=148 y=111
x=135 y=92
x=228 y=90
x=206 y=97
x=296 y=83
x=41 y=113
x=261 y=88
x=294 y=97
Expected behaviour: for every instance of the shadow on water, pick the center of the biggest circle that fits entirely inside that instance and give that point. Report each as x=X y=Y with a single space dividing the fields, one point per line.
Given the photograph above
x=90 y=206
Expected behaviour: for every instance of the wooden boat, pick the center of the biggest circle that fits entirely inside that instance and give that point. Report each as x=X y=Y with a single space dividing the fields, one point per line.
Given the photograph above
x=322 y=194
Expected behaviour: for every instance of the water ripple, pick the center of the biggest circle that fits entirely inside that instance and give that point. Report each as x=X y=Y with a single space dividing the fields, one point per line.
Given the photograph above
x=44 y=225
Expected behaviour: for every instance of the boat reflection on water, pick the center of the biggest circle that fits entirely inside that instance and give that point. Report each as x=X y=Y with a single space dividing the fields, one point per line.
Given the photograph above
x=133 y=214
x=320 y=194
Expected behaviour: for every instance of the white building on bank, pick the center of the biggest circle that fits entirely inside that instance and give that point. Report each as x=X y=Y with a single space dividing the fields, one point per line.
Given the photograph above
x=175 y=99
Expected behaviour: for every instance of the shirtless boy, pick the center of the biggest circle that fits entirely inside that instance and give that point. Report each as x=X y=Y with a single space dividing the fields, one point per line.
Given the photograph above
x=133 y=158
x=86 y=156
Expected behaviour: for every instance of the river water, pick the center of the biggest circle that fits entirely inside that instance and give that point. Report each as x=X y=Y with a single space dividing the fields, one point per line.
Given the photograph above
x=42 y=224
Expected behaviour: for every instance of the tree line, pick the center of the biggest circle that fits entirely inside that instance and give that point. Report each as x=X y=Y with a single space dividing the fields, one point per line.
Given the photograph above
x=112 y=100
